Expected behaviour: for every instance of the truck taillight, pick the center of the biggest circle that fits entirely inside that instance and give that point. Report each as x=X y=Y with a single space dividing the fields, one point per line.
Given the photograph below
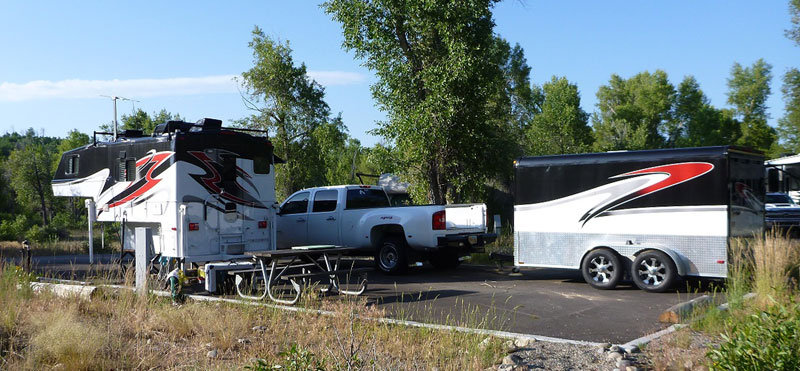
x=262 y=224
x=194 y=226
x=439 y=221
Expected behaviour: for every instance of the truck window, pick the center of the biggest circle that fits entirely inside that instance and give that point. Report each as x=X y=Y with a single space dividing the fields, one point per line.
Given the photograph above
x=296 y=205
x=324 y=201
x=366 y=198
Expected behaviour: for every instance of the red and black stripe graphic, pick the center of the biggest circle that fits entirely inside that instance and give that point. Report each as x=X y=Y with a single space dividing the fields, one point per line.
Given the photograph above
x=675 y=174
x=148 y=169
x=212 y=181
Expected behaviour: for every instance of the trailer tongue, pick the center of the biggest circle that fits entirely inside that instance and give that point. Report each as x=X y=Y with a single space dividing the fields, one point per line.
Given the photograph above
x=207 y=193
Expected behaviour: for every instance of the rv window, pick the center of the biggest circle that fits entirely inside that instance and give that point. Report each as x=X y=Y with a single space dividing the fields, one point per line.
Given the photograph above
x=366 y=198
x=229 y=169
x=261 y=164
x=296 y=205
x=130 y=169
x=324 y=201
x=72 y=165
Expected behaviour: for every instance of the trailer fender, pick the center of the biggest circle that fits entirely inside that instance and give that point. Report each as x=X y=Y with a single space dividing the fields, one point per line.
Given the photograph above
x=676 y=258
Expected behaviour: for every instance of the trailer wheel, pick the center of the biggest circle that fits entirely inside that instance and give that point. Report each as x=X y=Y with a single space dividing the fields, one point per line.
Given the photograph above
x=391 y=256
x=602 y=269
x=654 y=271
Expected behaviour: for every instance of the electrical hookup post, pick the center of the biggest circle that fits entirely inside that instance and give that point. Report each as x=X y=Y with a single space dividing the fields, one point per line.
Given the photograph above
x=143 y=238
x=92 y=217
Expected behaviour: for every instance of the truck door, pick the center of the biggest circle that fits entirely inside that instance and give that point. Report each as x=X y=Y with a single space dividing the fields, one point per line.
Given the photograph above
x=323 y=226
x=293 y=221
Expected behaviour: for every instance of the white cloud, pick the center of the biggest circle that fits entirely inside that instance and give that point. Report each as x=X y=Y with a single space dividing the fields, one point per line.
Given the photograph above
x=334 y=78
x=142 y=88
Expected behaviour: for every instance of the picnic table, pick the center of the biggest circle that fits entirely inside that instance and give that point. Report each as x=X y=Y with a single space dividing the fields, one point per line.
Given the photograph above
x=292 y=269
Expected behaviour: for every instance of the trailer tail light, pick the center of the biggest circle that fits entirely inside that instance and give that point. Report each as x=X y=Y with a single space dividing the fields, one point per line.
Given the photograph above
x=262 y=224
x=439 y=221
x=194 y=226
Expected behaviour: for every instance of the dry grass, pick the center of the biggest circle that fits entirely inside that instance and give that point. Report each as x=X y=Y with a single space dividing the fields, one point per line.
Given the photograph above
x=119 y=330
x=775 y=259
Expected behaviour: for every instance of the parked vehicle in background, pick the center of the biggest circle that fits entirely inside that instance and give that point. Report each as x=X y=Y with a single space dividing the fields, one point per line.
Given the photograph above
x=781 y=211
x=361 y=216
x=658 y=214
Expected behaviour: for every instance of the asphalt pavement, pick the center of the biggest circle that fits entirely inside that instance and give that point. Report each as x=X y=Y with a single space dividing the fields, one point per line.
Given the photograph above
x=547 y=302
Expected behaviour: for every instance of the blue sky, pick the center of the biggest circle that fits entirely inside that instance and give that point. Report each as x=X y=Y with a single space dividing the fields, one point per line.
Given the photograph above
x=56 y=58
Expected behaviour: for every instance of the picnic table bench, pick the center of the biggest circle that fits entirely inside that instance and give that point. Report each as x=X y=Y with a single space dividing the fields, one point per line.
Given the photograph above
x=296 y=267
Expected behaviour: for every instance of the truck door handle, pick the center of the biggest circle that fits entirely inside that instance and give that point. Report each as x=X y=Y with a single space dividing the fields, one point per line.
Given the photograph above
x=330 y=218
x=300 y=220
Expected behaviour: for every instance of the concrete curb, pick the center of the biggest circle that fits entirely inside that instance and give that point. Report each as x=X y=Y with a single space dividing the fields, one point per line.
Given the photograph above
x=648 y=338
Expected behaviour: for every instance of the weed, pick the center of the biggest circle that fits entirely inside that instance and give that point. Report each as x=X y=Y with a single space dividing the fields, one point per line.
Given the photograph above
x=768 y=340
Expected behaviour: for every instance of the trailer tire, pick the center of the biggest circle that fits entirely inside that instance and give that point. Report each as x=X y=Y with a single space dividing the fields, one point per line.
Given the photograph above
x=391 y=256
x=602 y=269
x=654 y=271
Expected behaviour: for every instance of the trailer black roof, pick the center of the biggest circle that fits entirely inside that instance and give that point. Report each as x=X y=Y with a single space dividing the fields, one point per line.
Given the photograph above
x=624 y=156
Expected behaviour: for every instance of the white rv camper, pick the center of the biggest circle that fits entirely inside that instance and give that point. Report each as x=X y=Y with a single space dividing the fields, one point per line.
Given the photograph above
x=206 y=192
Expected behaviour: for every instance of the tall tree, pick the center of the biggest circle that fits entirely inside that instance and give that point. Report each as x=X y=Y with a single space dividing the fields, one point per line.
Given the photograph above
x=696 y=122
x=633 y=112
x=562 y=125
x=789 y=124
x=30 y=168
x=748 y=90
x=435 y=83
x=289 y=104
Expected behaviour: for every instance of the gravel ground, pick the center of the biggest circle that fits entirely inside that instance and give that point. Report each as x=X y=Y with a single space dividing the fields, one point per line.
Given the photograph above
x=542 y=355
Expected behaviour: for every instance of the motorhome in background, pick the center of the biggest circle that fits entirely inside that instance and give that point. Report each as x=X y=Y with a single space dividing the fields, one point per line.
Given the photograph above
x=658 y=214
x=783 y=175
x=207 y=193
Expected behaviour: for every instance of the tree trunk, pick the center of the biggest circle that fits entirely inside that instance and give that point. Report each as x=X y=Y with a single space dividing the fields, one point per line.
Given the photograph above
x=38 y=187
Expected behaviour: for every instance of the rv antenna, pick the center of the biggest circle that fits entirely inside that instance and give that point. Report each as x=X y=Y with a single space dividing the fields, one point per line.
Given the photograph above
x=115 y=99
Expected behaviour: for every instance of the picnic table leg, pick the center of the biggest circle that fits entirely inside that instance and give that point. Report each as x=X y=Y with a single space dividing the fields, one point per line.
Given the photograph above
x=335 y=280
x=273 y=278
x=239 y=280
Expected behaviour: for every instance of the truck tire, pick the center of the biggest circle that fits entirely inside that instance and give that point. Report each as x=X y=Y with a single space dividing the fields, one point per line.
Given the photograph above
x=391 y=256
x=654 y=271
x=445 y=260
x=602 y=269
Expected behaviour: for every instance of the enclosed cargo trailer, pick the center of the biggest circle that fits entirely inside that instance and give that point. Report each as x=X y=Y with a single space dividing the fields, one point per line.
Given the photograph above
x=657 y=214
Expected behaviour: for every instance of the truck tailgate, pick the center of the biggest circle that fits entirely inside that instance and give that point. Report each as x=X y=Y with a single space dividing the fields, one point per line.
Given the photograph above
x=466 y=218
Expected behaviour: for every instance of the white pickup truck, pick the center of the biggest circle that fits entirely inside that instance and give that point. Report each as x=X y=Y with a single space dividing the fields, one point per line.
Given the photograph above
x=360 y=216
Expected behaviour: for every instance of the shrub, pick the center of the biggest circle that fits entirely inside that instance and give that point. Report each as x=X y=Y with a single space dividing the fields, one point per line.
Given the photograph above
x=769 y=340
x=294 y=359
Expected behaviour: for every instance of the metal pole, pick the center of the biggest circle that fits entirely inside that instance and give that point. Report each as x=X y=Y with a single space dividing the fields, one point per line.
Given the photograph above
x=92 y=214
x=115 y=116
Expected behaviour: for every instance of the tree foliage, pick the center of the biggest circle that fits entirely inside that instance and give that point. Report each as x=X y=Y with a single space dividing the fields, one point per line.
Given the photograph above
x=698 y=123
x=436 y=79
x=141 y=120
x=793 y=33
x=789 y=124
x=748 y=90
x=634 y=112
x=30 y=171
x=562 y=126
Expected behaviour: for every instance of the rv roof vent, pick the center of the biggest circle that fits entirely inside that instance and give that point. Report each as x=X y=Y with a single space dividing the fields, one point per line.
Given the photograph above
x=131 y=133
x=210 y=124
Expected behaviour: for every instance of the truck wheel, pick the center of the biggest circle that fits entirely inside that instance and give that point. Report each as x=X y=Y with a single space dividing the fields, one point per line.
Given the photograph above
x=654 y=271
x=391 y=256
x=445 y=260
x=602 y=269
